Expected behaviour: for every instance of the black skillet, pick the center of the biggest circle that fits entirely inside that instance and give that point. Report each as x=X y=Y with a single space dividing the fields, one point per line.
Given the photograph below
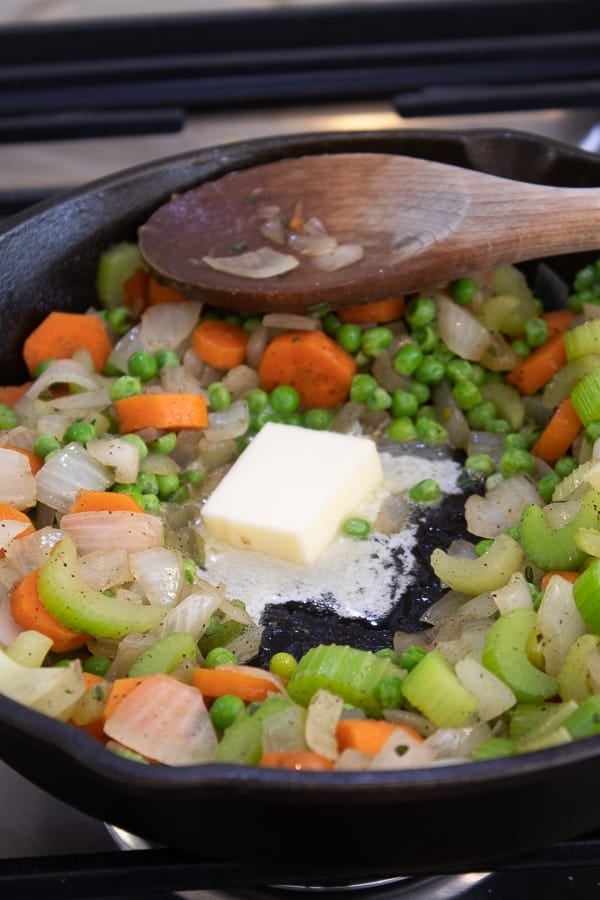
x=364 y=824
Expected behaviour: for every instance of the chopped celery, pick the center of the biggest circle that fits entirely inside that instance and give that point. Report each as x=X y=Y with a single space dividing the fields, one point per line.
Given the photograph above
x=350 y=673
x=494 y=748
x=555 y=719
x=505 y=654
x=555 y=548
x=563 y=383
x=584 y=721
x=165 y=654
x=30 y=648
x=242 y=741
x=554 y=738
x=586 y=591
x=526 y=717
x=507 y=401
x=75 y=604
x=433 y=688
x=583 y=340
x=220 y=631
x=115 y=267
x=573 y=681
x=486 y=573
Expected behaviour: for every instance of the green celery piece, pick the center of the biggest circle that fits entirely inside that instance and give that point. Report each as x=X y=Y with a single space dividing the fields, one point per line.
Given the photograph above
x=219 y=632
x=242 y=741
x=505 y=655
x=114 y=268
x=585 y=720
x=551 y=723
x=555 y=548
x=165 y=655
x=494 y=748
x=527 y=717
x=71 y=601
x=585 y=397
x=433 y=688
x=486 y=573
x=350 y=673
x=583 y=340
x=586 y=593
x=573 y=682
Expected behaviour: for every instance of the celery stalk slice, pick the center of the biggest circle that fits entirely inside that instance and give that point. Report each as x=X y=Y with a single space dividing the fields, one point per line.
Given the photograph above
x=75 y=604
x=586 y=592
x=505 y=654
x=486 y=573
x=433 y=688
x=555 y=548
x=165 y=654
x=585 y=720
x=114 y=268
x=242 y=742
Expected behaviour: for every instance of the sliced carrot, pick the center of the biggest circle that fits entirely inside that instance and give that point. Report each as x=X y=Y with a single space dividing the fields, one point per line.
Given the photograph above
x=369 y=735
x=162 y=293
x=12 y=393
x=29 y=612
x=35 y=461
x=379 y=311
x=299 y=760
x=558 y=320
x=559 y=433
x=61 y=334
x=220 y=344
x=135 y=292
x=170 y=411
x=296 y=222
x=568 y=576
x=214 y=683
x=537 y=369
x=313 y=363
x=93 y=501
x=121 y=688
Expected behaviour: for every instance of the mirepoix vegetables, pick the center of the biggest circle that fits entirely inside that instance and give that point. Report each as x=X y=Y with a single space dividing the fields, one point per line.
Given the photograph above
x=131 y=417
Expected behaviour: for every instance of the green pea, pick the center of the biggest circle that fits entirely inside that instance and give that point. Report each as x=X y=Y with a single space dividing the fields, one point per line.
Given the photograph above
x=165 y=443
x=79 y=433
x=8 y=417
x=147 y=483
x=41 y=367
x=379 y=400
x=125 y=386
x=401 y=429
x=407 y=359
x=483 y=546
x=404 y=403
x=137 y=442
x=411 y=657
x=294 y=418
x=284 y=399
x=45 y=444
x=349 y=337
x=420 y=312
x=463 y=289
x=426 y=338
x=575 y=302
x=592 y=431
x=331 y=324
x=515 y=439
x=420 y=390
x=189 y=569
x=388 y=653
x=427 y=411
x=151 y=504
x=515 y=460
x=499 y=426
x=166 y=358
x=356 y=527
x=362 y=387
x=466 y=394
x=480 y=416
x=431 y=371
x=564 y=466
x=317 y=419
x=257 y=400
x=584 y=278
x=521 y=348
x=219 y=397
x=536 y=332
x=376 y=340
x=225 y=710
x=459 y=370
x=111 y=370
x=218 y=656
x=388 y=692
x=167 y=485
x=193 y=477
x=430 y=432
x=480 y=463
x=283 y=665
x=97 y=665
x=142 y=365
x=180 y=495
x=251 y=323
x=425 y=491
x=119 y=319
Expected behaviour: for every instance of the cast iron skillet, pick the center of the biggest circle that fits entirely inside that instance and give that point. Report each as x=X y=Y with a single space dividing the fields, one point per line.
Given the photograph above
x=437 y=819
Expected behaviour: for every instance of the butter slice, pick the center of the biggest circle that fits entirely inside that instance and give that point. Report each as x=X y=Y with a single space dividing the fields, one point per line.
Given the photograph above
x=291 y=489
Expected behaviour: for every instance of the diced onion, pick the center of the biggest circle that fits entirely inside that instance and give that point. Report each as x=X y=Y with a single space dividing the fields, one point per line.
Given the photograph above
x=457 y=743
x=344 y=255
x=193 y=614
x=68 y=471
x=132 y=531
x=460 y=330
x=159 y=573
x=262 y=263
x=312 y=244
x=228 y=423
x=290 y=322
x=63 y=371
x=501 y=508
x=284 y=730
x=493 y=695
x=416 y=752
x=31 y=551
x=240 y=380
x=324 y=711
x=118 y=454
x=168 y=324
x=559 y=623
x=274 y=230
x=514 y=595
x=17 y=484
x=105 y=569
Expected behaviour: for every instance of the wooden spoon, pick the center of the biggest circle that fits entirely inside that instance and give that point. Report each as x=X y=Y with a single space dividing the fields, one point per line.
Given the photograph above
x=419 y=223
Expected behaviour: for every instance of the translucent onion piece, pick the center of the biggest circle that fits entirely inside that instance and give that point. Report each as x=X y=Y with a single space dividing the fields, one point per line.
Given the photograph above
x=159 y=573
x=32 y=551
x=240 y=380
x=131 y=342
x=234 y=612
x=229 y=423
x=385 y=374
x=262 y=263
x=460 y=330
x=131 y=531
x=351 y=760
x=457 y=743
x=514 y=595
x=9 y=530
x=290 y=322
x=118 y=454
x=29 y=648
x=324 y=711
x=246 y=646
x=273 y=229
x=53 y=690
x=284 y=730
x=494 y=697
x=70 y=470
x=312 y=244
x=124 y=652
x=559 y=623
x=80 y=402
x=450 y=415
x=169 y=324
x=344 y=255
x=159 y=464
x=501 y=508
x=593 y=663
x=178 y=380
x=442 y=610
x=192 y=614
x=9 y=629
x=499 y=356
x=17 y=484
x=407 y=717
x=19 y=437
x=347 y=418
x=63 y=371
x=104 y=569
x=164 y=720
x=257 y=342
x=402 y=751
x=216 y=454
x=394 y=514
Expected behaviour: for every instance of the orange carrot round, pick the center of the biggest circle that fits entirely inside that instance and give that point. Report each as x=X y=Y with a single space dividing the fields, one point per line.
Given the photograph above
x=559 y=433
x=299 y=760
x=567 y=575
x=12 y=393
x=171 y=411
x=313 y=363
x=369 y=735
x=61 y=334
x=214 y=683
x=220 y=344
x=387 y=310
x=29 y=612
x=162 y=293
x=537 y=369
x=93 y=501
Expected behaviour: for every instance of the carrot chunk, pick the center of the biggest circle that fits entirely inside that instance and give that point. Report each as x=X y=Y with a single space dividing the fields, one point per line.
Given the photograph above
x=135 y=291
x=35 y=461
x=299 y=760
x=162 y=293
x=369 y=735
x=566 y=574
x=61 y=334
x=29 y=612
x=313 y=363
x=220 y=344
x=537 y=369
x=379 y=311
x=559 y=433
x=171 y=411
x=93 y=501
x=214 y=683
x=11 y=394
x=121 y=688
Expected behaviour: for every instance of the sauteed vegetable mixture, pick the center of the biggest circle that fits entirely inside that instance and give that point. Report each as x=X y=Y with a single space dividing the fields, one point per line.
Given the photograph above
x=138 y=409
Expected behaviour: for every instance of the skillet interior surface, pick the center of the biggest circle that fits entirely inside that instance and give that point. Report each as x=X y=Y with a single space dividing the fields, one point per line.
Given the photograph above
x=439 y=819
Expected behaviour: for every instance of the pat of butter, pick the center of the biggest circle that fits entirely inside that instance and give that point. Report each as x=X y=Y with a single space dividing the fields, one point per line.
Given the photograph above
x=291 y=489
